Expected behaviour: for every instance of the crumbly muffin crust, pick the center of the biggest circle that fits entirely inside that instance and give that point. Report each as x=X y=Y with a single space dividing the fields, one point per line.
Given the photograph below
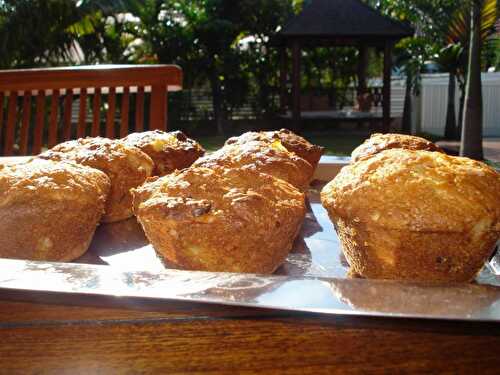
x=416 y=215
x=169 y=151
x=291 y=141
x=380 y=142
x=126 y=166
x=270 y=158
x=49 y=210
x=219 y=219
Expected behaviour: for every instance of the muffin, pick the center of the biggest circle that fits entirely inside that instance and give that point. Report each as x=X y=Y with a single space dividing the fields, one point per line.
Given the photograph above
x=49 y=210
x=264 y=157
x=415 y=215
x=219 y=219
x=169 y=151
x=126 y=166
x=291 y=141
x=380 y=142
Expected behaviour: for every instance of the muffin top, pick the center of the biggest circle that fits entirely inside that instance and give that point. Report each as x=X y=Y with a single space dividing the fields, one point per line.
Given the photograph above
x=417 y=191
x=45 y=179
x=199 y=193
x=291 y=141
x=102 y=153
x=271 y=158
x=158 y=140
x=169 y=151
x=380 y=142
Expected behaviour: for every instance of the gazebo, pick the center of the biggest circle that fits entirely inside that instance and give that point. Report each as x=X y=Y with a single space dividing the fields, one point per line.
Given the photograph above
x=332 y=23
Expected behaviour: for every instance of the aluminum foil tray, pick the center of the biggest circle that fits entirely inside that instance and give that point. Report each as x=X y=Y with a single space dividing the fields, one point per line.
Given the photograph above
x=315 y=277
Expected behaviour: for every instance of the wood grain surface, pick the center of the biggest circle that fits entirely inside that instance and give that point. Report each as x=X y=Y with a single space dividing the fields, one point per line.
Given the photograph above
x=96 y=87
x=53 y=334
x=60 y=338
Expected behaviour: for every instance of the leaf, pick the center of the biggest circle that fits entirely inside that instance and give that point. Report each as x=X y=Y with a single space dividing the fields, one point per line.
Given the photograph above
x=458 y=31
x=489 y=17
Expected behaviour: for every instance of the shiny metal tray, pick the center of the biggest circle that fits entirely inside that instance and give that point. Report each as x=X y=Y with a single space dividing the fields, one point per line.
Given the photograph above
x=314 y=278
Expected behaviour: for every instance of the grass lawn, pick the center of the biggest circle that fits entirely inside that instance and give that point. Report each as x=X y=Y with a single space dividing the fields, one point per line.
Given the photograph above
x=335 y=143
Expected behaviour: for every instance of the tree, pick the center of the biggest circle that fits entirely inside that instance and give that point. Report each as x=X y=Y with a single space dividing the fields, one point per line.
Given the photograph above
x=450 y=59
x=204 y=37
x=47 y=32
x=472 y=129
x=457 y=33
x=411 y=54
x=263 y=18
x=429 y=18
x=34 y=33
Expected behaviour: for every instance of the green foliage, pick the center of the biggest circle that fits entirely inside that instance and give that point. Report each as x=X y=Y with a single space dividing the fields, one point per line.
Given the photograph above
x=225 y=45
x=35 y=32
x=429 y=18
x=459 y=26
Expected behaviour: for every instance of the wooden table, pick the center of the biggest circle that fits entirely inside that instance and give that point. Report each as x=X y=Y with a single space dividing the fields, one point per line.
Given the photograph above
x=52 y=334
x=59 y=336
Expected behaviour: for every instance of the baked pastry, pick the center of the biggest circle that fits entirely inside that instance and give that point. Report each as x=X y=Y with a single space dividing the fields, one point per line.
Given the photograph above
x=380 y=142
x=49 y=210
x=219 y=219
x=264 y=157
x=291 y=141
x=169 y=151
x=415 y=215
x=126 y=166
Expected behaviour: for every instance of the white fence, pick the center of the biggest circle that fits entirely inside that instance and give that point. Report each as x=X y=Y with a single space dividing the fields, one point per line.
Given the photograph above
x=430 y=107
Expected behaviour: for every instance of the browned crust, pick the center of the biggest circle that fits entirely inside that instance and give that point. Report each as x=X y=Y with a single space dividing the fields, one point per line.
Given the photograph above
x=417 y=191
x=291 y=141
x=262 y=157
x=381 y=253
x=49 y=210
x=219 y=219
x=126 y=166
x=170 y=151
x=380 y=142
x=416 y=215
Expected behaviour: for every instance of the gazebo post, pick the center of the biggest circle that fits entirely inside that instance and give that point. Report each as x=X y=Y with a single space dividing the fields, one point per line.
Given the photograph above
x=296 y=84
x=283 y=76
x=386 y=90
x=362 y=64
x=332 y=66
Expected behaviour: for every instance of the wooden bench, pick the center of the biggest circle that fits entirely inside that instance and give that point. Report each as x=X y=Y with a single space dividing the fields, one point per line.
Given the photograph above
x=51 y=91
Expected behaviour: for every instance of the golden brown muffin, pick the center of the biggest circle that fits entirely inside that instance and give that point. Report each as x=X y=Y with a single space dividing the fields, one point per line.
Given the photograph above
x=49 y=210
x=126 y=166
x=219 y=219
x=380 y=142
x=291 y=141
x=416 y=215
x=264 y=157
x=169 y=151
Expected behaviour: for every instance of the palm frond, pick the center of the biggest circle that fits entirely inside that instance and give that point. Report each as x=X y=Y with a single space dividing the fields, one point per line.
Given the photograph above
x=459 y=28
x=489 y=17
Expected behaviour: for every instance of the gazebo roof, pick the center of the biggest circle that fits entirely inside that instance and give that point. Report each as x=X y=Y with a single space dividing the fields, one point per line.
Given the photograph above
x=342 y=20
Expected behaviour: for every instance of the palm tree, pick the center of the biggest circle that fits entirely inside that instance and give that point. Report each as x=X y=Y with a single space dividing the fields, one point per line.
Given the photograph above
x=411 y=53
x=450 y=59
x=472 y=129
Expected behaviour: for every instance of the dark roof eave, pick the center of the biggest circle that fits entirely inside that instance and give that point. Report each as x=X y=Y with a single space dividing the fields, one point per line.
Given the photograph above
x=311 y=22
x=280 y=40
x=355 y=36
